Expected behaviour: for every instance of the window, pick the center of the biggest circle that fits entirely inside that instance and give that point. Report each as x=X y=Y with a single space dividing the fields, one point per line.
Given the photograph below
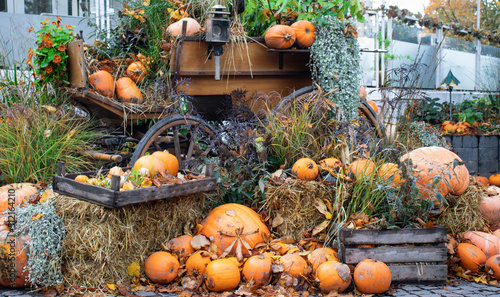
x=37 y=6
x=3 y=5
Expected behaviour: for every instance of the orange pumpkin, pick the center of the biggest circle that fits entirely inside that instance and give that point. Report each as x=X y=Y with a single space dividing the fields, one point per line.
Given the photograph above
x=103 y=83
x=330 y=163
x=320 y=256
x=169 y=161
x=494 y=179
x=471 y=257
x=82 y=178
x=127 y=91
x=490 y=209
x=15 y=259
x=372 y=277
x=496 y=233
x=333 y=276
x=181 y=246
x=373 y=105
x=280 y=37
x=222 y=275
x=258 y=269
x=362 y=167
x=192 y=27
x=293 y=264
x=304 y=32
x=161 y=267
x=149 y=162
x=16 y=193
x=391 y=171
x=197 y=263
x=432 y=162
x=362 y=92
x=493 y=264
x=230 y=217
x=136 y=71
x=482 y=181
x=305 y=169
x=488 y=243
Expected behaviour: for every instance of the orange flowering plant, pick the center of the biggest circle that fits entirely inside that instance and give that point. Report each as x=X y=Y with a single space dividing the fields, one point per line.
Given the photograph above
x=48 y=60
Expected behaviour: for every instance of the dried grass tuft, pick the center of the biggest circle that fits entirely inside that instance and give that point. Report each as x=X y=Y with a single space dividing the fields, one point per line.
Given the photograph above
x=464 y=215
x=100 y=243
x=293 y=200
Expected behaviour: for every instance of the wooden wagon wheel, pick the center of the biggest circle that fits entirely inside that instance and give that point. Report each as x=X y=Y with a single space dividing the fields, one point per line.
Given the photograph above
x=365 y=108
x=187 y=137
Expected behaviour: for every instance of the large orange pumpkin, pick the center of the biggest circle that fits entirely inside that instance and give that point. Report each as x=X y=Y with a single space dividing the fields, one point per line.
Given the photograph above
x=149 y=162
x=362 y=167
x=293 y=264
x=136 y=71
x=103 y=83
x=320 y=256
x=493 y=263
x=127 y=91
x=280 y=37
x=197 y=263
x=333 y=276
x=192 y=27
x=471 y=257
x=373 y=105
x=181 y=246
x=16 y=193
x=490 y=209
x=372 y=277
x=230 y=217
x=432 y=162
x=258 y=269
x=222 y=275
x=304 y=32
x=488 y=243
x=161 y=267
x=391 y=171
x=305 y=169
x=13 y=252
x=169 y=161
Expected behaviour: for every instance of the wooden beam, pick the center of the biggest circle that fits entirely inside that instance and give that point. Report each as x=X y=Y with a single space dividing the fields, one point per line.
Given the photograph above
x=351 y=237
x=396 y=254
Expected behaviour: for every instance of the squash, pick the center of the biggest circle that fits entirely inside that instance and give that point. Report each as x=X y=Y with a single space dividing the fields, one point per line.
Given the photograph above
x=15 y=257
x=197 y=263
x=490 y=209
x=305 y=169
x=193 y=27
x=293 y=264
x=372 y=277
x=493 y=264
x=304 y=32
x=361 y=167
x=169 y=161
x=280 y=37
x=161 y=267
x=103 y=83
x=333 y=276
x=17 y=193
x=136 y=71
x=494 y=179
x=391 y=171
x=222 y=275
x=181 y=246
x=320 y=256
x=150 y=163
x=373 y=105
x=127 y=91
x=471 y=257
x=258 y=269
x=488 y=243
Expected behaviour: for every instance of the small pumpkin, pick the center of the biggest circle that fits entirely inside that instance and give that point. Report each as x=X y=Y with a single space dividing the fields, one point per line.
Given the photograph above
x=197 y=263
x=192 y=27
x=169 y=161
x=18 y=192
x=280 y=37
x=103 y=83
x=115 y=171
x=471 y=257
x=82 y=178
x=488 y=243
x=305 y=169
x=161 y=267
x=391 y=171
x=305 y=32
x=494 y=179
x=373 y=105
x=181 y=246
x=493 y=264
x=258 y=269
x=333 y=276
x=362 y=167
x=320 y=256
x=490 y=209
x=330 y=163
x=293 y=264
x=150 y=163
x=372 y=277
x=15 y=275
x=362 y=92
x=222 y=275
x=482 y=181
x=136 y=71
x=127 y=91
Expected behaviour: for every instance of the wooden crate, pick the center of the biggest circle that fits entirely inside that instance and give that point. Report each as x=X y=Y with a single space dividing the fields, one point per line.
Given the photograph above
x=114 y=198
x=412 y=254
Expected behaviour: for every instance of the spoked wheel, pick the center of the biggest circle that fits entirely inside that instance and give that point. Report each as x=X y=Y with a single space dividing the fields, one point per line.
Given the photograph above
x=189 y=138
x=365 y=108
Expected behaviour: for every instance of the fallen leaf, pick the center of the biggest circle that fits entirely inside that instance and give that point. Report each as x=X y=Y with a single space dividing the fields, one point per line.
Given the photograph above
x=231 y=213
x=37 y=216
x=278 y=220
x=110 y=286
x=319 y=228
x=50 y=293
x=200 y=241
x=47 y=133
x=134 y=269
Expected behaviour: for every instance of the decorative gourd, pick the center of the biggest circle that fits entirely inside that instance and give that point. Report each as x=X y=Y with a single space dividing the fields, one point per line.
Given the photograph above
x=488 y=243
x=127 y=91
x=304 y=32
x=362 y=167
x=192 y=27
x=16 y=259
x=20 y=191
x=197 y=263
x=230 y=217
x=391 y=170
x=293 y=264
x=373 y=105
x=320 y=256
x=161 y=267
x=222 y=275
x=493 y=263
x=103 y=83
x=136 y=71
x=482 y=181
x=490 y=209
x=280 y=37
x=115 y=171
x=82 y=178
x=494 y=179
x=181 y=246
x=150 y=163
x=258 y=269
x=330 y=163
x=362 y=92
x=169 y=161
x=471 y=257
x=431 y=162
x=333 y=276
x=305 y=169
x=372 y=277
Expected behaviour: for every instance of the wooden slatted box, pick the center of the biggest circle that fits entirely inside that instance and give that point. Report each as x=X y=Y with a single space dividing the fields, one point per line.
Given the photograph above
x=413 y=254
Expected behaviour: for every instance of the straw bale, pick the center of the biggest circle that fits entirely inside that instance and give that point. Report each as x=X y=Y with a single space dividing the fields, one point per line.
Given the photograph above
x=100 y=243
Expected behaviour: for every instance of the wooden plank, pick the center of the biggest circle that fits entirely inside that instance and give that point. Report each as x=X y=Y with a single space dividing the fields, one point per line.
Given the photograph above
x=396 y=254
x=86 y=192
x=418 y=273
x=393 y=236
x=76 y=65
x=245 y=72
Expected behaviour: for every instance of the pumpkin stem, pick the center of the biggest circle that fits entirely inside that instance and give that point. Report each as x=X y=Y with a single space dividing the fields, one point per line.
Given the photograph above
x=310 y=165
x=287 y=37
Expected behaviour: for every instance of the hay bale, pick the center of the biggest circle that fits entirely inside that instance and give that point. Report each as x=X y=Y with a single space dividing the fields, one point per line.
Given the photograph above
x=293 y=200
x=100 y=243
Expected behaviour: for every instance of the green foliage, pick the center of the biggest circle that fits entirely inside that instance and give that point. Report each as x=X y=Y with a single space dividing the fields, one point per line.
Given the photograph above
x=429 y=110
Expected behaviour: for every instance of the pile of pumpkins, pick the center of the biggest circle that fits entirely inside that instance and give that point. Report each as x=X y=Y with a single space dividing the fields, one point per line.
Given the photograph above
x=142 y=173
x=232 y=245
x=480 y=251
x=284 y=36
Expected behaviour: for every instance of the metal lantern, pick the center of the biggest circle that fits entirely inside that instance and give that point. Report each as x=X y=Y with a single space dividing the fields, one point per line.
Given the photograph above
x=218 y=27
x=450 y=81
